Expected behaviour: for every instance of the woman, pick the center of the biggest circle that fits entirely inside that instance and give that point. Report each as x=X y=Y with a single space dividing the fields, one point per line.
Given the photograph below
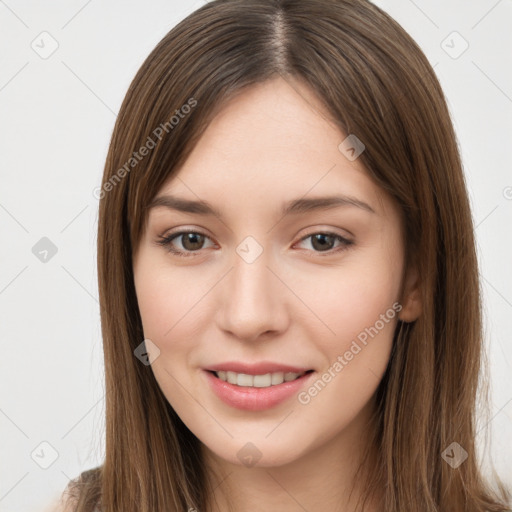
x=288 y=281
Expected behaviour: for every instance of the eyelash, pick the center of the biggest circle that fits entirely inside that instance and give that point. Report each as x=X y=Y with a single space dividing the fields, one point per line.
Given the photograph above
x=166 y=241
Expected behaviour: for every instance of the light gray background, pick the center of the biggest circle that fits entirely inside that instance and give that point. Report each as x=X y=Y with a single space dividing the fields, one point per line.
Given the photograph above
x=57 y=114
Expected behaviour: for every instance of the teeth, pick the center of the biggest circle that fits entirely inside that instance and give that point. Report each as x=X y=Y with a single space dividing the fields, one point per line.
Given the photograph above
x=257 y=381
x=277 y=378
x=244 y=380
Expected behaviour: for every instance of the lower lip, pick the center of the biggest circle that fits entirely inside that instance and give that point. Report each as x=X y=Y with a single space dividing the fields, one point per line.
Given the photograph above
x=255 y=399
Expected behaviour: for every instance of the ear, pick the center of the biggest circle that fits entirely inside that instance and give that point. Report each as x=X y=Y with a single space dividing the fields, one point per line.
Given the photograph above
x=411 y=297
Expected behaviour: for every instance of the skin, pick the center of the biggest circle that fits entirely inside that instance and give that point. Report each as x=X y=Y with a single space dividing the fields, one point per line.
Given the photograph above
x=294 y=304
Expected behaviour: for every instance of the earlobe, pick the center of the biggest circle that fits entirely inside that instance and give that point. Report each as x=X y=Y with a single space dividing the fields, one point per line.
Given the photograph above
x=411 y=297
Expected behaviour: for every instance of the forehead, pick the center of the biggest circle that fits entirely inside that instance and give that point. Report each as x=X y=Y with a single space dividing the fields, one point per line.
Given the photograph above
x=272 y=142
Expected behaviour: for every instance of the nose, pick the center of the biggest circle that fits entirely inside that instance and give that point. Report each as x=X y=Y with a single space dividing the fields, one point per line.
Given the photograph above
x=254 y=300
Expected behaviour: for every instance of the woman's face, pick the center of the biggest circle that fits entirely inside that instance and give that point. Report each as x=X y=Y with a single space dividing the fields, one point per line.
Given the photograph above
x=276 y=282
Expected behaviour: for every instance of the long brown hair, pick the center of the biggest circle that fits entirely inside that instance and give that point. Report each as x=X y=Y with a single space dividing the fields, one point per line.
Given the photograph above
x=377 y=84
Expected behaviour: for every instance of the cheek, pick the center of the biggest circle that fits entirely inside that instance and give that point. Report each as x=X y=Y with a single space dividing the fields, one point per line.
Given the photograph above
x=353 y=296
x=361 y=307
x=170 y=303
x=157 y=305
x=355 y=358
x=170 y=306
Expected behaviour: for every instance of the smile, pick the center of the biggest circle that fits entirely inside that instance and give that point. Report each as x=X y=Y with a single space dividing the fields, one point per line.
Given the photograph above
x=257 y=392
x=257 y=381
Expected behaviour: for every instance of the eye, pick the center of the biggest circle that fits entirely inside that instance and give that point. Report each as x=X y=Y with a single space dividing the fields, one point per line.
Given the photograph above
x=191 y=241
x=324 y=241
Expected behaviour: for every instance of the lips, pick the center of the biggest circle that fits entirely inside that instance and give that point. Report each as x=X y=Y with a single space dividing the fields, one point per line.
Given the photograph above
x=246 y=386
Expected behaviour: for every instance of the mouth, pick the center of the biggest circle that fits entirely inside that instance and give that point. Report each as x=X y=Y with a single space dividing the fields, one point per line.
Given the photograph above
x=257 y=391
x=266 y=380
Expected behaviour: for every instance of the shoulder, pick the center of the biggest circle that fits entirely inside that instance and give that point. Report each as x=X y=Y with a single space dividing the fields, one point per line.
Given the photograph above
x=81 y=493
x=64 y=503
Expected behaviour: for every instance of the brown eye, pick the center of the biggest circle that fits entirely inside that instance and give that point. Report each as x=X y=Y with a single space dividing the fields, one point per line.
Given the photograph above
x=322 y=241
x=325 y=242
x=190 y=242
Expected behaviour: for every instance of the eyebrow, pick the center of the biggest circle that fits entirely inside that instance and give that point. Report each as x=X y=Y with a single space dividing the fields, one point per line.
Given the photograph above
x=295 y=206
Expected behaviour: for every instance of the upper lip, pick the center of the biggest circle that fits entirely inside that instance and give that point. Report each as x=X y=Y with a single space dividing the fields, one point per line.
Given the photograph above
x=260 y=368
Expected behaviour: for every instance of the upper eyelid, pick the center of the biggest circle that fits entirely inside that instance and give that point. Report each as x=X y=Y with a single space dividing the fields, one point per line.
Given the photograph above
x=199 y=232
x=168 y=239
x=177 y=234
